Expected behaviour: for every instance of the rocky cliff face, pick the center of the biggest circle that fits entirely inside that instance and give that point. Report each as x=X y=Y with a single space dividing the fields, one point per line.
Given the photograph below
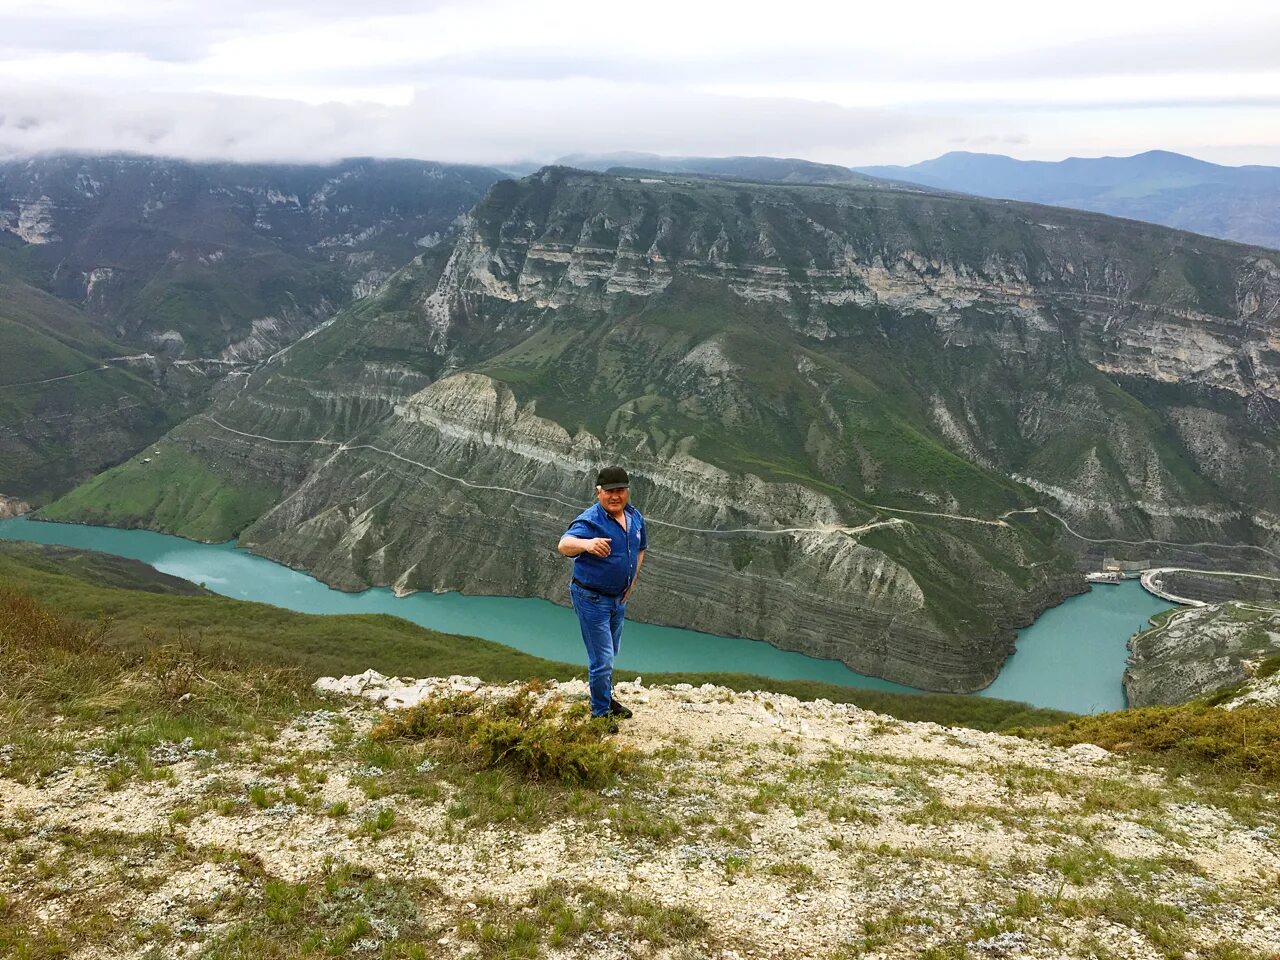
x=1194 y=651
x=464 y=488
x=12 y=507
x=839 y=404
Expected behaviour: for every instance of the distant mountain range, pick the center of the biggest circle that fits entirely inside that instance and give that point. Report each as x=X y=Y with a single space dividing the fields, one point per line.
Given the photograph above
x=1235 y=203
x=765 y=169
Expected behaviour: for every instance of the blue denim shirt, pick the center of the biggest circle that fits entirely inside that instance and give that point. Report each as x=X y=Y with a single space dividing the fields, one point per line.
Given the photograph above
x=614 y=573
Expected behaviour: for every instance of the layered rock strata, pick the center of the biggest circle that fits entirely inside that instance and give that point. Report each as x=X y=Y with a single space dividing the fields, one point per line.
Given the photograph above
x=938 y=399
x=1197 y=650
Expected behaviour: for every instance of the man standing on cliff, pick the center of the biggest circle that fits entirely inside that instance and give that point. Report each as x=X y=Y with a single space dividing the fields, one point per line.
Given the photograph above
x=607 y=542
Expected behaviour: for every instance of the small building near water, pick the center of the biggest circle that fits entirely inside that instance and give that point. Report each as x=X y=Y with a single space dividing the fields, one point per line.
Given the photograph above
x=1125 y=569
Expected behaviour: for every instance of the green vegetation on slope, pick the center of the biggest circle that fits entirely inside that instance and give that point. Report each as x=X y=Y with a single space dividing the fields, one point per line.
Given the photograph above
x=537 y=740
x=168 y=490
x=1196 y=736
x=65 y=409
x=161 y=246
x=71 y=582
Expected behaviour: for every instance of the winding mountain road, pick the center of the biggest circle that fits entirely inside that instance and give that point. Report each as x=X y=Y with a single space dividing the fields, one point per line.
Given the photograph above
x=1001 y=521
x=343 y=446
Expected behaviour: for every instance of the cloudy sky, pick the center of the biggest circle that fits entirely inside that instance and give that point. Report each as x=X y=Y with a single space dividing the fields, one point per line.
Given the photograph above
x=496 y=81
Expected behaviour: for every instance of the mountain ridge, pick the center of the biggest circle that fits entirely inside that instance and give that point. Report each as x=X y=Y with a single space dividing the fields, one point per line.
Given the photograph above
x=190 y=271
x=766 y=356
x=1158 y=186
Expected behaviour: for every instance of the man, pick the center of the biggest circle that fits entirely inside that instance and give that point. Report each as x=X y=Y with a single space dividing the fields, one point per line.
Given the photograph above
x=608 y=542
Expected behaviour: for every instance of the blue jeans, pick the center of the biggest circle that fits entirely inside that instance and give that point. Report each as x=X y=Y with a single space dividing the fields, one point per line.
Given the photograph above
x=600 y=618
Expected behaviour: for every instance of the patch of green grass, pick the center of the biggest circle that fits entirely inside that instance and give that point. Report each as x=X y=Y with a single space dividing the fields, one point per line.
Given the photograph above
x=1081 y=865
x=261 y=797
x=499 y=796
x=166 y=488
x=1164 y=926
x=1193 y=737
x=562 y=916
x=937 y=812
x=382 y=821
x=637 y=820
x=339 y=913
x=881 y=931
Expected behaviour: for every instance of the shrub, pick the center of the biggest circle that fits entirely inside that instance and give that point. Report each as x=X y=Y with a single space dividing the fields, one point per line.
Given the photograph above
x=539 y=738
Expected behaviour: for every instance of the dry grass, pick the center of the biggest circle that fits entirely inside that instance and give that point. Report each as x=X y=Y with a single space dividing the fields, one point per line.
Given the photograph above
x=60 y=676
x=1244 y=741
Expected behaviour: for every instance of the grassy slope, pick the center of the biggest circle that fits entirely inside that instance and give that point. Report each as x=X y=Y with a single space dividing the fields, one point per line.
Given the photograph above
x=61 y=416
x=74 y=582
x=175 y=492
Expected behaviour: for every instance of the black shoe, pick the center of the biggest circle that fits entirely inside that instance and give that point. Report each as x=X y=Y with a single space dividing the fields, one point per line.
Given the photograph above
x=618 y=710
x=609 y=724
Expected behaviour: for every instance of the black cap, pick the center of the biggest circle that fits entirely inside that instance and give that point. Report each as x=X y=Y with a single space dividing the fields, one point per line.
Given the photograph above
x=612 y=478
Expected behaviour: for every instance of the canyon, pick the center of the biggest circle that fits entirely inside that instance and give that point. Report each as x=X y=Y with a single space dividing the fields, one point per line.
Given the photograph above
x=879 y=426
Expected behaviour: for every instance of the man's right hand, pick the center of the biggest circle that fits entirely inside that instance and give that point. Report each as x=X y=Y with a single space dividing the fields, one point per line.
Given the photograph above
x=573 y=546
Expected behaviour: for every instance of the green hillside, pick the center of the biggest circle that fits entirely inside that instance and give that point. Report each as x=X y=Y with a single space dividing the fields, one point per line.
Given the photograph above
x=194 y=270
x=68 y=407
x=157 y=249
x=145 y=607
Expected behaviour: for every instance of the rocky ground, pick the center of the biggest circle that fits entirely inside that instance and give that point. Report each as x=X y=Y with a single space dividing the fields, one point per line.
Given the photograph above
x=754 y=825
x=12 y=507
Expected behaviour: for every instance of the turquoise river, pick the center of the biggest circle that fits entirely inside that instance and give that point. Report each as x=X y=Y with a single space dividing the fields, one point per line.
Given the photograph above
x=1072 y=658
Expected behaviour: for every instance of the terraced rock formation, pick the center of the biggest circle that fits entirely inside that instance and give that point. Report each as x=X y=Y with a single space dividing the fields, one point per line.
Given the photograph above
x=1194 y=651
x=839 y=403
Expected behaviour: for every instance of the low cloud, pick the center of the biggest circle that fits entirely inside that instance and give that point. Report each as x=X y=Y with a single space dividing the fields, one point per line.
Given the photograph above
x=479 y=121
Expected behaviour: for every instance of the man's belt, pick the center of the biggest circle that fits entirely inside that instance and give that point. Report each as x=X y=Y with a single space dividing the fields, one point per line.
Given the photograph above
x=596 y=590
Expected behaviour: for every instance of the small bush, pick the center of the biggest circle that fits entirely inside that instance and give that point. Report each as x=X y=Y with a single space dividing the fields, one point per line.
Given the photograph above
x=540 y=739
